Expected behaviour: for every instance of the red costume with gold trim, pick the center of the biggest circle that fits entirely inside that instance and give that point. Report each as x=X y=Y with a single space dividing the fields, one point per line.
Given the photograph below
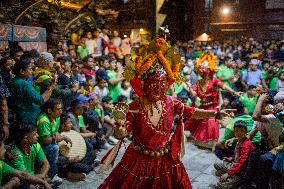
x=206 y=130
x=152 y=160
x=138 y=170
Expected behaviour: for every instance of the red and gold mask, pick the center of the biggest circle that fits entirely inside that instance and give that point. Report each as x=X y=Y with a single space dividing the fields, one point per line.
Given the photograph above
x=155 y=86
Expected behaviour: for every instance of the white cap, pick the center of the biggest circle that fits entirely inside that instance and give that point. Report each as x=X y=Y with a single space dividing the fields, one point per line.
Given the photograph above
x=254 y=61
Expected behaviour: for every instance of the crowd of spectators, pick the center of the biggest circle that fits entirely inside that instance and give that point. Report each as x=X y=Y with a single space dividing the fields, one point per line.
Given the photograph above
x=76 y=85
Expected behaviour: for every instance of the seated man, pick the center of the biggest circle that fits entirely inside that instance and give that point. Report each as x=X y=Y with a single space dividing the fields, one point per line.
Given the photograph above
x=231 y=167
x=28 y=151
x=73 y=168
x=92 y=121
x=7 y=171
x=48 y=124
x=261 y=161
x=249 y=99
x=224 y=147
x=78 y=124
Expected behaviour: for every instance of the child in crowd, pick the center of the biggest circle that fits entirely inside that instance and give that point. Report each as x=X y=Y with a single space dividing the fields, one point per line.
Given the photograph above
x=93 y=123
x=101 y=89
x=126 y=89
x=280 y=82
x=249 y=99
x=109 y=121
x=122 y=99
x=89 y=85
x=74 y=168
x=231 y=167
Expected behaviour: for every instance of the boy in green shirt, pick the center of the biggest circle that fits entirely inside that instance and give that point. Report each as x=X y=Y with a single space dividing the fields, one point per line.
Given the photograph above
x=6 y=171
x=249 y=99
x=28 y=151
x=222 y=148
x=114 y=84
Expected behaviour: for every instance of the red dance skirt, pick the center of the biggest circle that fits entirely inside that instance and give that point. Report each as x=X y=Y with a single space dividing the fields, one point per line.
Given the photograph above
x=203 y=130
x=139 y=171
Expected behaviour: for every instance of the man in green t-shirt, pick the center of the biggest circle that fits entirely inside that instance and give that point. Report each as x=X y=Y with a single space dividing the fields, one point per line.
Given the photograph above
x=222 y=149
x=48 y=124
x=226 y=73
x=7 y=171
x=28 y=151
x=114 y=84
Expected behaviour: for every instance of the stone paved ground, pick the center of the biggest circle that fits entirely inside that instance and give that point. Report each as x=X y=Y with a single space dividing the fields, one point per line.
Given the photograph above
x=198 y=163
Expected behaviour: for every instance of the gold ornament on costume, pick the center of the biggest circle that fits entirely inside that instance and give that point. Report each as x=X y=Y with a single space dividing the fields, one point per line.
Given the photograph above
x=120 y=110
x=149 y=57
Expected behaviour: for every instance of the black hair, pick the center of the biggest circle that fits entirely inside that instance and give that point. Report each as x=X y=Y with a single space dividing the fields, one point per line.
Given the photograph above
x=15 y=50
x=251 y=87
x=1 y=140
x=103 y=58
x=91 y=119
x=75 y=103
x=51 y=103
x=4 y=60
x=121 y=98
x=99 y=79
x=31 y=54
x=85 y=59
x=240 y=124
x=78 y=61
x=88 y=78
x=64 y=117
x=238 y=105
x=66 y=59
x=21 y=65
x=106 y=99
x=18 y=130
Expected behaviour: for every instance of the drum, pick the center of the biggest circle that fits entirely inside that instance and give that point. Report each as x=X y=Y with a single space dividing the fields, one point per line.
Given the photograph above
x=78 y=148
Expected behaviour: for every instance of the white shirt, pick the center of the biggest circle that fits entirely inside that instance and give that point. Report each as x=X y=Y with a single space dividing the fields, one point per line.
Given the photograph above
x=91 y=45
x=126 y=92
x=272 y=128
x=101 y=92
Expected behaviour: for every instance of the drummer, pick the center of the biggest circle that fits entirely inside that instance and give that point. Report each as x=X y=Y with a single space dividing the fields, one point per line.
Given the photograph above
x=48 y=124
x=73 y=168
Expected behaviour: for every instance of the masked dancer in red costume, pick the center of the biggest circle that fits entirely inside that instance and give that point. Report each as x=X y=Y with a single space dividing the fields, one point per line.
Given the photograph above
x=206 y=131
x=152 y=160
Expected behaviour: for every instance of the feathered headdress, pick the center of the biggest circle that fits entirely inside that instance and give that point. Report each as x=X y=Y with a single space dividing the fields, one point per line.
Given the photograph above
x=149 y=58
x=207 y=60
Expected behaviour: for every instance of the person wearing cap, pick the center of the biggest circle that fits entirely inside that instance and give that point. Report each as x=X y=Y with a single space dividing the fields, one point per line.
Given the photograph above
x=253 y=75
x=78 y=124
x=93 y=121
x=43 y=75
